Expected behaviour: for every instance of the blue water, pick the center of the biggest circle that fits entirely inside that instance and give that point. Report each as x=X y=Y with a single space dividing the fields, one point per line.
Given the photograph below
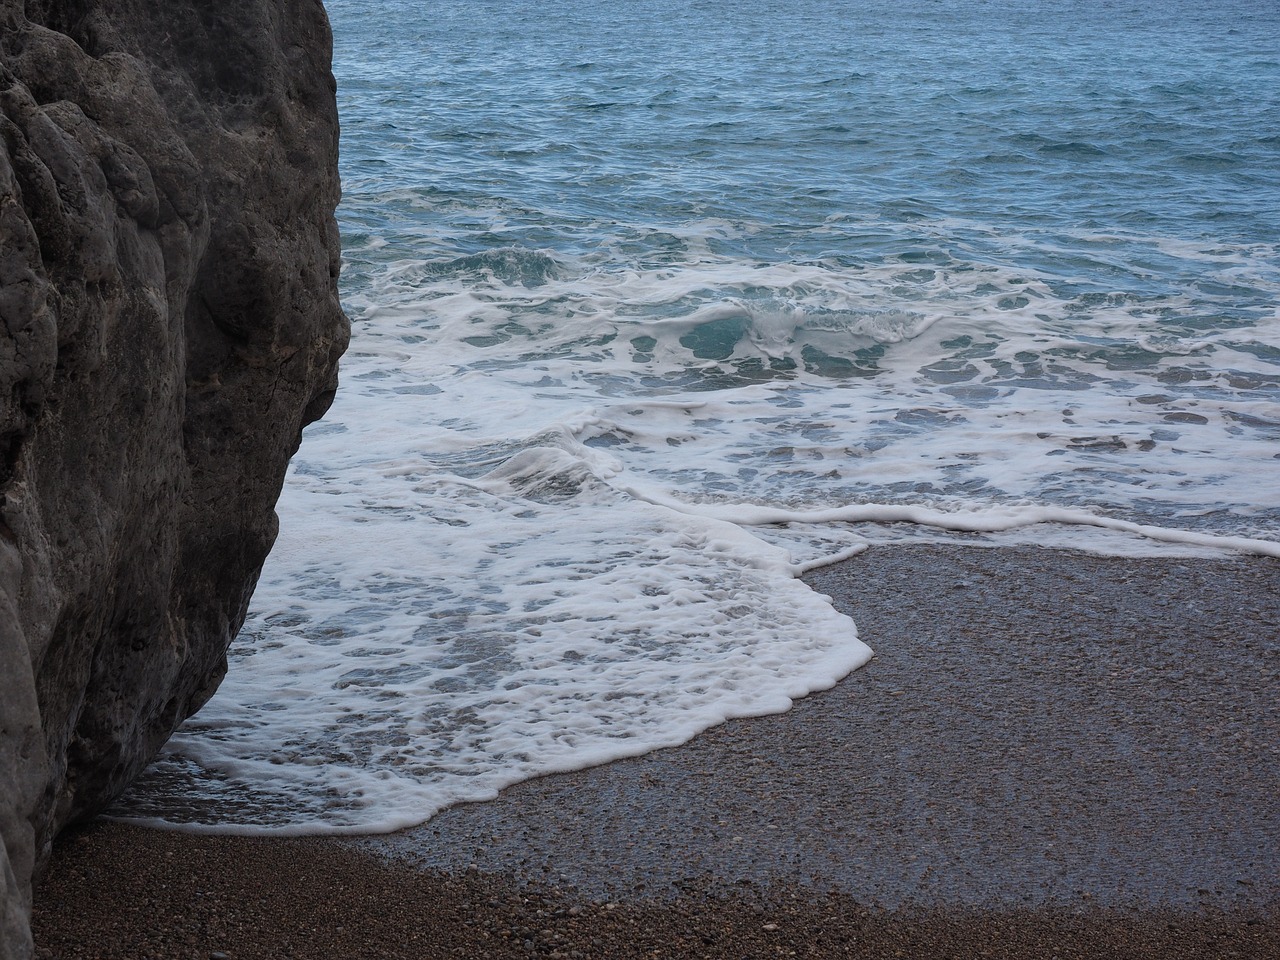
x=836 y=128
x=658 y=304
x=1081 y=191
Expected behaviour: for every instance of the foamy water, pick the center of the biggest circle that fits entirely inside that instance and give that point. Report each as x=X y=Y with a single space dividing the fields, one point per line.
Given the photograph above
x=649 y=321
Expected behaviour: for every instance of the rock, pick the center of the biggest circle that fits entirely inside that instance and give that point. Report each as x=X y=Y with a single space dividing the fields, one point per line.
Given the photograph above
x=169 y=322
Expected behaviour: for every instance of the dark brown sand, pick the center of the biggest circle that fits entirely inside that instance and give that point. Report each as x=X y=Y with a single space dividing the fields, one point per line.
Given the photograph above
x=1052 y=755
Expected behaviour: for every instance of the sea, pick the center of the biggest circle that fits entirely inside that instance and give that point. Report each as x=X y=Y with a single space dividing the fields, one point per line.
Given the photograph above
x=659 y=304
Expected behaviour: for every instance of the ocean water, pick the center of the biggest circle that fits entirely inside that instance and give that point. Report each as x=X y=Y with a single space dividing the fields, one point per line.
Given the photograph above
x=657 y=305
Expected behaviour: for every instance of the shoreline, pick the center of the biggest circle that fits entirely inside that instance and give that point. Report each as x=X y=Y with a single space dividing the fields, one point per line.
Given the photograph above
x=1050 y=750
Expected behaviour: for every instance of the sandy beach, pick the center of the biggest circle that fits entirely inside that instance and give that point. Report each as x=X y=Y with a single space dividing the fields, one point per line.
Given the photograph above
x=1052 y=754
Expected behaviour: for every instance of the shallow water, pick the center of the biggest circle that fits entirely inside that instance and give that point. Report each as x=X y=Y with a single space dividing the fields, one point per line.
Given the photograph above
x=656 y=308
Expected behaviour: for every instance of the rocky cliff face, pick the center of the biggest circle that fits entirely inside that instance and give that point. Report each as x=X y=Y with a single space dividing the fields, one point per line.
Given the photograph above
x=170 y=321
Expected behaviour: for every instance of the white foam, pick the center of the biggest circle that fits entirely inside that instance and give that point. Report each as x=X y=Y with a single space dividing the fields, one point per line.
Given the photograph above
x=430 y=639
x=557 y=512
x=981 y=520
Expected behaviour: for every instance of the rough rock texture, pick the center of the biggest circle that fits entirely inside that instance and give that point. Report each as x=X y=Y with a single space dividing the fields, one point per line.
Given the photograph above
x=168 y=267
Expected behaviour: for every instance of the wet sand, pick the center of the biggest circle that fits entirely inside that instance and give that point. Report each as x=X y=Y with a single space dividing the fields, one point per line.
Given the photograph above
x=1052 y=754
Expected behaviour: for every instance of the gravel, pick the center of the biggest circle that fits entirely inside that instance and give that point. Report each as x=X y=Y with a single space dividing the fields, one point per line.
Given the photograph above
x=1052 y=755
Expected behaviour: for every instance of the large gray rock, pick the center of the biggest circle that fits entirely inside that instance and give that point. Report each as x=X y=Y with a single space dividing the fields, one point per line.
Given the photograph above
x=170 y=321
